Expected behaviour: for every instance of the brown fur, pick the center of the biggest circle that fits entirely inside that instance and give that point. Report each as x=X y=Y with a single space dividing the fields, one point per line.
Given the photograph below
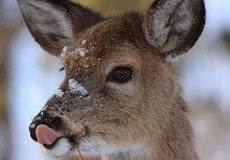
x=147 y=110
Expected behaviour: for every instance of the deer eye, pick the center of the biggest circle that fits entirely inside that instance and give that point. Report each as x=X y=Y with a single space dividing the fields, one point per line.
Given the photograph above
x=120 y=75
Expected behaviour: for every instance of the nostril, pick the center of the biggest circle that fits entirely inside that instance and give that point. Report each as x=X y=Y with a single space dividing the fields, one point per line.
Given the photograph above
x=32 y=128
x=54 y=123
x=51 y=122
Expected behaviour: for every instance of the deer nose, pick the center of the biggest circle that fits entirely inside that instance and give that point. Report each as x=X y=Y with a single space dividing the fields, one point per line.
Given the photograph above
x=44 y=119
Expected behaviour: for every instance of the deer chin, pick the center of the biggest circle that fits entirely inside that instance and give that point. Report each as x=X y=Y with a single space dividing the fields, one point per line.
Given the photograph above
x=62 y=147
x=91 y=146
x=67 y=146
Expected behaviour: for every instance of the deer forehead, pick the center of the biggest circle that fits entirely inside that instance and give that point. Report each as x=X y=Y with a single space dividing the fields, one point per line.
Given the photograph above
x=111 y=39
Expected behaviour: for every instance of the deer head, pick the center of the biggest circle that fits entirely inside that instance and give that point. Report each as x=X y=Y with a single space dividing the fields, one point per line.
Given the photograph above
x=120 y=98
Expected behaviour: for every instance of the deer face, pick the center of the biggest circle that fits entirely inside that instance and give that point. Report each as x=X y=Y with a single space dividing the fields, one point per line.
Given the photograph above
x=119 y=92
x=102 y=93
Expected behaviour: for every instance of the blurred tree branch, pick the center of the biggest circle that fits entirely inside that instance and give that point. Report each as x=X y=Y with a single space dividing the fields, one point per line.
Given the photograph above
x=8 y=28
x=226 y=40
x=7 y=32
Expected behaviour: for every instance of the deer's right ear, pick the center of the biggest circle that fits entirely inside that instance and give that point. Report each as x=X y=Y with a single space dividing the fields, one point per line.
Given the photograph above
x=55 y=23
x=173 y=26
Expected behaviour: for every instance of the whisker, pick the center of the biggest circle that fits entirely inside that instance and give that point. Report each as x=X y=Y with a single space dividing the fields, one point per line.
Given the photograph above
x=80 y=156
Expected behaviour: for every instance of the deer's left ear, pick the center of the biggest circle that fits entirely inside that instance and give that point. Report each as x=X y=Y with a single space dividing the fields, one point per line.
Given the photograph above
x=173 y=26
x=55 y=23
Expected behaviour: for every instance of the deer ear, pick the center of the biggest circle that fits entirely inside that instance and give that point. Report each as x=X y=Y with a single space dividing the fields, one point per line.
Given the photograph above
x=55 y=23
x=173 y=26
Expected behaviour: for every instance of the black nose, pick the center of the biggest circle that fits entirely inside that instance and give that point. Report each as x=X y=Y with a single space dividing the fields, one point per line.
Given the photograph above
x=46 y=119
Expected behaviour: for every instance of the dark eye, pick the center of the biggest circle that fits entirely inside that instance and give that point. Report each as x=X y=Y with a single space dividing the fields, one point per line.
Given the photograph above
x=120 y=75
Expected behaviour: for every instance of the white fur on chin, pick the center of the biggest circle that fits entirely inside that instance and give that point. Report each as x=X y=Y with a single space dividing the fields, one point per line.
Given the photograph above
x=62 y=148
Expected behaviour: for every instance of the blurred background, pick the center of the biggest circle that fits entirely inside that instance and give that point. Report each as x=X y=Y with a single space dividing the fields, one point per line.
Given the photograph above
x=28 y=76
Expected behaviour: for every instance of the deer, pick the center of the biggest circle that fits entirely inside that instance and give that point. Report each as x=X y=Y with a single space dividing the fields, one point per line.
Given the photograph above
x=120 y=98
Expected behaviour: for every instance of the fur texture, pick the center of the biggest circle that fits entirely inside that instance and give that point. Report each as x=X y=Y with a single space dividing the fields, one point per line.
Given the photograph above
x=142 y=119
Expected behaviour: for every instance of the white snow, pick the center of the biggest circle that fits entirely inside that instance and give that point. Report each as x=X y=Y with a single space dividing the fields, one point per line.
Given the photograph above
x=64 y=51
x=83 y=42
x=85 y=66
x=74 y=86
x=59 y=93
x=81 y=51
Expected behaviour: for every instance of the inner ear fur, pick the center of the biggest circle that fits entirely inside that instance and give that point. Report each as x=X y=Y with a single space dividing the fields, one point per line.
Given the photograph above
x=55 y=23
x=173 y=26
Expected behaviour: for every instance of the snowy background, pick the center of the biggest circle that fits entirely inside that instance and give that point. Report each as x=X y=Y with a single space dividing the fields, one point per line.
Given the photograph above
x=34 y=75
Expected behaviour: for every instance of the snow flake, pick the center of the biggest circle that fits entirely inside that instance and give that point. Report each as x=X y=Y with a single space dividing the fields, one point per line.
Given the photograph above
x=83 y=42
x=81 y=51
x=59 y=93
x=74 y=86
x=64 y=51
x=85 y=66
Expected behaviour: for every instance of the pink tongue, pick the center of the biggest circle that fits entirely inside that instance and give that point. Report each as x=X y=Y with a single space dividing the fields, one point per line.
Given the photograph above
x=46 y=135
